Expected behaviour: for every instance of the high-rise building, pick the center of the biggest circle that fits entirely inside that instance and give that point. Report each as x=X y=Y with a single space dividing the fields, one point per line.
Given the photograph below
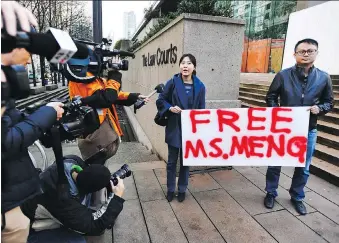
x=129 y=24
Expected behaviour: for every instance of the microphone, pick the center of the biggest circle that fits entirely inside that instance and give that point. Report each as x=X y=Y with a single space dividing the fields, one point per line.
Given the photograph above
x=55 y=47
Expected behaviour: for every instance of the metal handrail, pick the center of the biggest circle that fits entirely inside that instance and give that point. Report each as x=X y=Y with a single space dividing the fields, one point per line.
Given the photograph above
x=43 y=154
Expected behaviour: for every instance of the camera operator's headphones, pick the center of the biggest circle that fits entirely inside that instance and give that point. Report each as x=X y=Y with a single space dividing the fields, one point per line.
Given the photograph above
x=75 y=70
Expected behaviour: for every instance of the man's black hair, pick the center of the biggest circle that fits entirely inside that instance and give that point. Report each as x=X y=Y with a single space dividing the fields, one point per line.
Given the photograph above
x=308 y=40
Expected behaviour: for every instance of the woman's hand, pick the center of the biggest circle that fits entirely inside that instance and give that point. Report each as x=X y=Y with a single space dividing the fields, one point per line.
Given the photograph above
x=175 y=109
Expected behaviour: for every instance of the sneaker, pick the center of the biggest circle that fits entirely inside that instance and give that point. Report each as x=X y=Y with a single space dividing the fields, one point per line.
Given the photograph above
x=181 y=196
x=299 y=207
x=269 y=201
x=170 y=196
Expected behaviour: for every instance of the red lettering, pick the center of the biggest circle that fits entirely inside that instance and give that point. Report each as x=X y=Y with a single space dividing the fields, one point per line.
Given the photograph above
x=253 y=143
x=233 y=117
x=280 y=150
x=276 y=119
x=241 y=147
x=214 y=145
x=301 y=144
x=194 y=122
x=195 y=150
x=252 y=119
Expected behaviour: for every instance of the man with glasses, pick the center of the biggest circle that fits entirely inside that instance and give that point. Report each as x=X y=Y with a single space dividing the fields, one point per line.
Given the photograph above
x=300 y=85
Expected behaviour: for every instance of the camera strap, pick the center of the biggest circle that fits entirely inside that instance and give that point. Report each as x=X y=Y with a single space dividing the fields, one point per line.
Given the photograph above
x=59 y=158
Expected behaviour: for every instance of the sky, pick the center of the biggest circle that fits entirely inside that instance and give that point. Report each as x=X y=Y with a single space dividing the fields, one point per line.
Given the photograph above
x=113 y=12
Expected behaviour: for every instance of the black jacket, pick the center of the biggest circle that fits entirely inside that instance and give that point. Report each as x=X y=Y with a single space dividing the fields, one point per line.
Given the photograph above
x=69 y=210
x=19 y=179
x=294 y=89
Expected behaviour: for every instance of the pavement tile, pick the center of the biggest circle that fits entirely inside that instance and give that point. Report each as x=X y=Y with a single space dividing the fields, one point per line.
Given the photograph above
x=322 y=226
x=105 y=238
x=253 y=175
x=162 y=176
x=324 y=206
x=202 y=182
x=193 y=220
x=147 y=185
x=243 y=191
x=289 y=171
x=232 y=221
x=284 y=180
x=130 y=192
x=130 y=226
x=324 y=188
x=284 y=199
x=161 y=222
x=150 y=165
x=284 y=227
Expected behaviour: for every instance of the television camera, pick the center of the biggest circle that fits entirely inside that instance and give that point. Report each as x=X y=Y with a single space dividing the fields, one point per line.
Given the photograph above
x=98 y=60
x=77 y=120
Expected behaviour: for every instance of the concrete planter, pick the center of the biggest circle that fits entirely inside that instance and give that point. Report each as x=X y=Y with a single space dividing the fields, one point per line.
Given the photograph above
x=217 y=44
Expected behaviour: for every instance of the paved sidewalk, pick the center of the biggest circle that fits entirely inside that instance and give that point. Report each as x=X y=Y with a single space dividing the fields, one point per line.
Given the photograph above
x=221 y=206
x=224 y=206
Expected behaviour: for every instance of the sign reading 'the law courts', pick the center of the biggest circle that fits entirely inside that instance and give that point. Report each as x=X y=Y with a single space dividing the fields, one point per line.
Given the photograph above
x=161 y=57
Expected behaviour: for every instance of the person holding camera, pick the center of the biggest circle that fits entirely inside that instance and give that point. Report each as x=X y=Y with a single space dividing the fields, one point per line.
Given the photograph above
x=54 y=213
x=20 y=180
x=184 y=91
x=103 y=94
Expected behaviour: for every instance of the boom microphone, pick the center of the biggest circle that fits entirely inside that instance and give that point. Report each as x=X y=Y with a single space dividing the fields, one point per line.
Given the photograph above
x=45 y=45
x=115 y=52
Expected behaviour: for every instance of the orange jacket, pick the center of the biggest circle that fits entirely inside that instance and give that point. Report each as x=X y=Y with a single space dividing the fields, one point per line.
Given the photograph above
x=85 y=90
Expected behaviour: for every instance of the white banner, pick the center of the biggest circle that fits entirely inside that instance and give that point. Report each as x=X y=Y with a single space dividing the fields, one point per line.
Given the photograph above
x=245 y=136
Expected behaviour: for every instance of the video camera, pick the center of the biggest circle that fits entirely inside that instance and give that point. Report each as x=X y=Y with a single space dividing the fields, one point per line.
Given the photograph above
x=77 y=120
x=97 y=61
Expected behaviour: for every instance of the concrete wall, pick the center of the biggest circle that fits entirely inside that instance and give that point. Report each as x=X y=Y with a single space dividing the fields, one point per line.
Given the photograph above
x=217 y=44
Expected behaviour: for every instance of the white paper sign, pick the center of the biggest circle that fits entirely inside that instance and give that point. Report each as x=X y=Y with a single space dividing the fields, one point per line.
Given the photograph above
x=245 y=136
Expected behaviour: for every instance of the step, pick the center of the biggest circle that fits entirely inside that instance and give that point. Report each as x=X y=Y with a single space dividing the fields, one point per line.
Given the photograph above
x=257 y=91
x=336 y=94
x=18 y=102
x=259 y=96
x=336 y=87
x=325 y=170
x=251 y=101
x=252 y=95
x=328 y=127
x=254 y=86
x=330 y=117
x=46 y=96
x=327 y=154
x=327 y=139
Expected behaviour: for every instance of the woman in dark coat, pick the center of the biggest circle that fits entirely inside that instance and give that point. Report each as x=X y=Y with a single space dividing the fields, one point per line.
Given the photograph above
x=183 y=92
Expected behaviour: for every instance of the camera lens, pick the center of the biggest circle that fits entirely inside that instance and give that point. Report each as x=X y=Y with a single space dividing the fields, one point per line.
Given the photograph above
x=123 y=172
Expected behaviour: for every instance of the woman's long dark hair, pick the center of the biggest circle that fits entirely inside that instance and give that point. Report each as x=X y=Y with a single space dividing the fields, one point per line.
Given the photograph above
x=192 y=59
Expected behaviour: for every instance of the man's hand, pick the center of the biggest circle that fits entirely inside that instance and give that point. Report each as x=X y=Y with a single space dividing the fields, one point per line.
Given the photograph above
x=314 y=110
x=145 y=98
x=119 y=188
x=12 y=10
x=58 y=108
x=175 y=109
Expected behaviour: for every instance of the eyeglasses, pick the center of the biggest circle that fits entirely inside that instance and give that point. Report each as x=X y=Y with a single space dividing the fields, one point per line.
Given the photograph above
x=303 y=52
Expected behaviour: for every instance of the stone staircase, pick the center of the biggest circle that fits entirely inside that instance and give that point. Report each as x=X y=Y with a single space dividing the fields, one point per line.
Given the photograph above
x=325 y=162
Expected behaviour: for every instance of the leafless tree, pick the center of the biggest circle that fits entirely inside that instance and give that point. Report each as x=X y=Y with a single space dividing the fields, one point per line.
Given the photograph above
x=61 y=14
